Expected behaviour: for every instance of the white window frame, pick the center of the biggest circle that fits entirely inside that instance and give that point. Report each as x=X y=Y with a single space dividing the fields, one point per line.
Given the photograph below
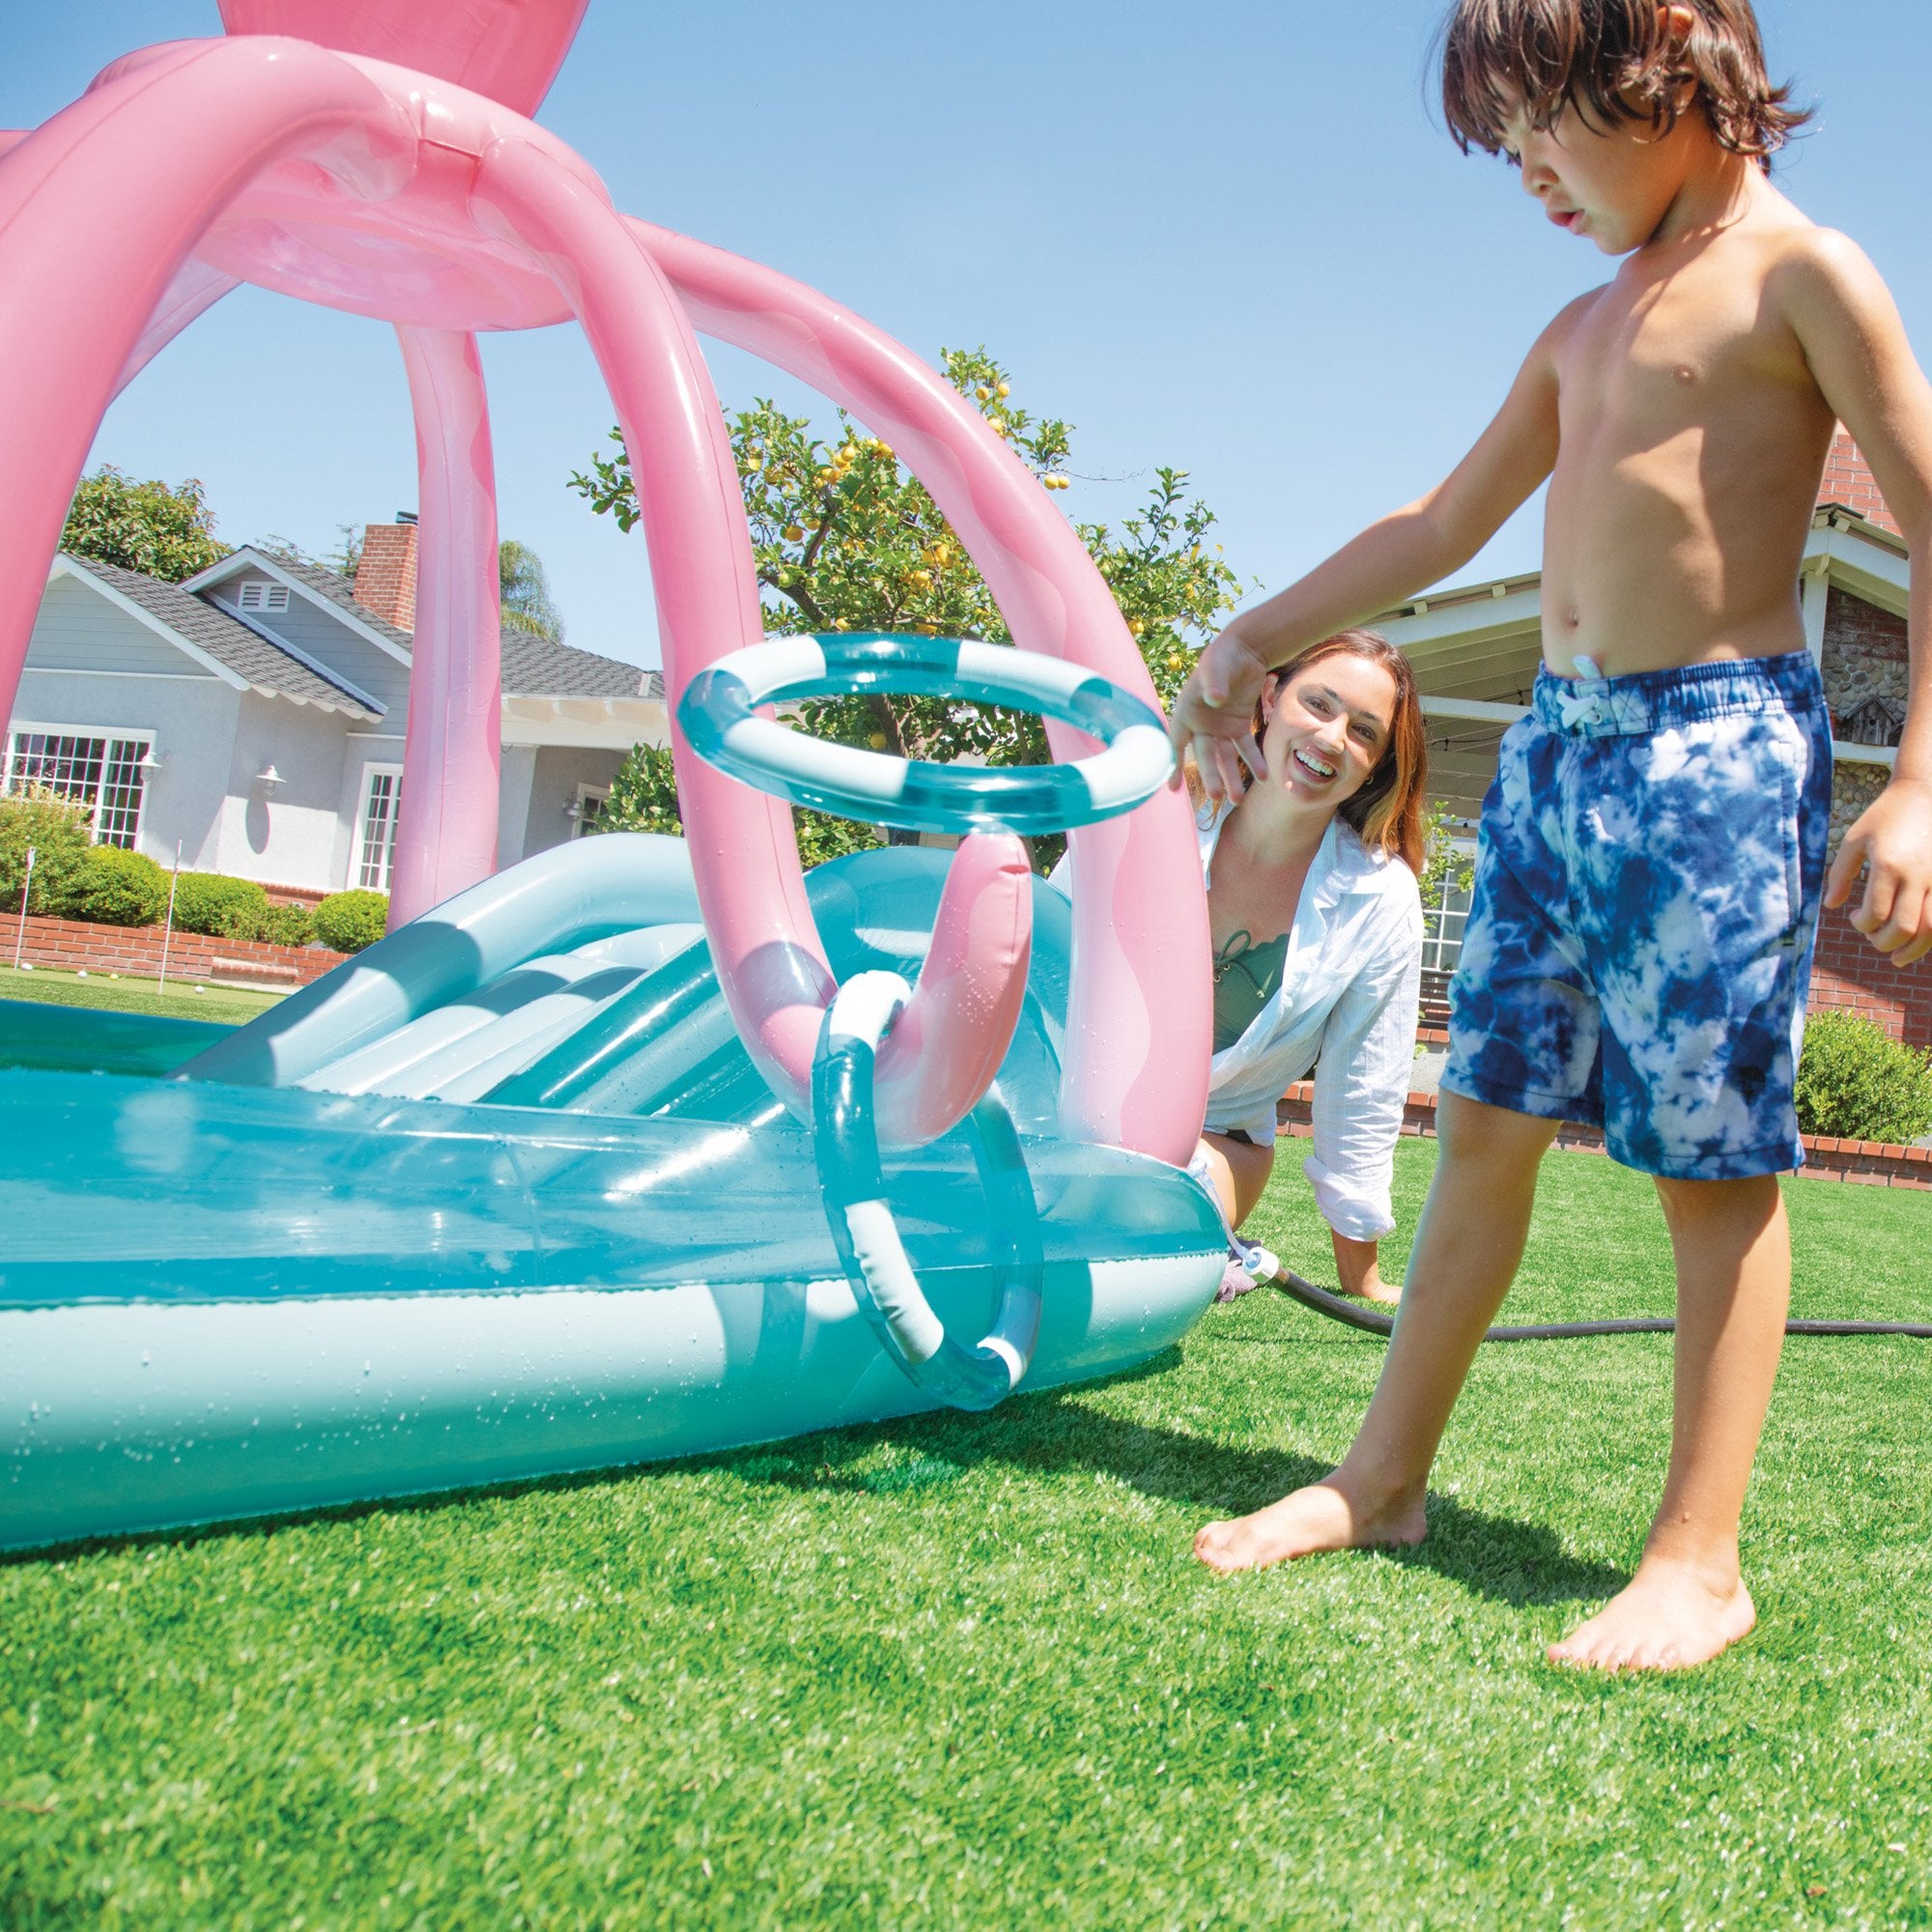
x=261 y=596
x=1445 y=921
x=116 y=742
x=382 y=862
x=589 y=808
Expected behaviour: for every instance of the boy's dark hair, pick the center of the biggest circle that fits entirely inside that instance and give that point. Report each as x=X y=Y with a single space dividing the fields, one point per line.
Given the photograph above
x=1614 y=61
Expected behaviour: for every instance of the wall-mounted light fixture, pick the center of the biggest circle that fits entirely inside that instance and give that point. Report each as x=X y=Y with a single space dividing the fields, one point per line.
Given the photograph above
x=150 y=762
x=268 y=778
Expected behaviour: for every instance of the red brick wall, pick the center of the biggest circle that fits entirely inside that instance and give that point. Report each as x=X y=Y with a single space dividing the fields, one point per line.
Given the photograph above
x=1848 y=481
x=71 y=944
x=1848 y=975
x=385 y=578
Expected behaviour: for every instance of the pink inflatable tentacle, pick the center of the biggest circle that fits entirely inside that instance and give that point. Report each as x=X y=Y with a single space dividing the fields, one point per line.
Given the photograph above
x=770 y=961
x=955 y=1032
x=446 y=836
x=1134 y=1068
x=99 y=209
x=195 y=290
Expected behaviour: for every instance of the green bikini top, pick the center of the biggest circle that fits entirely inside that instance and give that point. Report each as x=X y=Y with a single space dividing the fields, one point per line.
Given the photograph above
x=1245 y=978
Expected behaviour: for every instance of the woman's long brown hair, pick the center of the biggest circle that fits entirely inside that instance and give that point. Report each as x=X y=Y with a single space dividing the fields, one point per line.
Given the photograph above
x=1386 y=813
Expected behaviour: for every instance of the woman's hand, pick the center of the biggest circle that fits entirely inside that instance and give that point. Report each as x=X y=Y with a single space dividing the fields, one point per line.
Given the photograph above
x=1356 y=1266
x=1213 y=715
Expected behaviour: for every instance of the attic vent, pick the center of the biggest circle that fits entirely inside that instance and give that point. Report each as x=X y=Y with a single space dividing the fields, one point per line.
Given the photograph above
x=263 y=597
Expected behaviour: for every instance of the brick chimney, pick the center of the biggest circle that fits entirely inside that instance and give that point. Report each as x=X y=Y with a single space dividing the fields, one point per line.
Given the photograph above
x=386 y=577
x=1850 y=484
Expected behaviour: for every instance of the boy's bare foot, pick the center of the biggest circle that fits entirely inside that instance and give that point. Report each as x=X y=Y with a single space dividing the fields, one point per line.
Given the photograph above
x=1670 y=1616
x=1318 y=1518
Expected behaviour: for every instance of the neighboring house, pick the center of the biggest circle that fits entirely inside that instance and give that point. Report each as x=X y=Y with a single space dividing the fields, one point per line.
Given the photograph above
x=1475 y=648
x=254 y=716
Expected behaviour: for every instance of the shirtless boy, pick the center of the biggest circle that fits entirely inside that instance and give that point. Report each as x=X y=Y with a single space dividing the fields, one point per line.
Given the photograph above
x=1652 y=852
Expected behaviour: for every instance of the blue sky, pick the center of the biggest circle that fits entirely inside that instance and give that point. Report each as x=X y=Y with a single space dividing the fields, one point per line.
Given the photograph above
x=1227 y=237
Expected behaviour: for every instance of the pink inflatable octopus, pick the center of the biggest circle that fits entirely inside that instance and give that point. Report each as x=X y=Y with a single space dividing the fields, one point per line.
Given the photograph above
x=378 y=157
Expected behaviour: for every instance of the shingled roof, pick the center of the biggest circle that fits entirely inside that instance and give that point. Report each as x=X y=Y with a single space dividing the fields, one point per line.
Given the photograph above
x=231 y=644
x=534 y=667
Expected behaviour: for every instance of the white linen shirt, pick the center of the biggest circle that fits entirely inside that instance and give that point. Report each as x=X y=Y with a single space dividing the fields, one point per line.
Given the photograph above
x=1350 y=988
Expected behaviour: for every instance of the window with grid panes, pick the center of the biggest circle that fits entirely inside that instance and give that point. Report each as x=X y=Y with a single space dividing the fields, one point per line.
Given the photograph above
x=1443 y=924
x=590 y=803
x=103 y=774
x=381 y=794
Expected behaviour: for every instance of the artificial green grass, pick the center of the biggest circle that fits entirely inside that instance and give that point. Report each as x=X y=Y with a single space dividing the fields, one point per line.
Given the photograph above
x=177 y=1001
x=961 y=1670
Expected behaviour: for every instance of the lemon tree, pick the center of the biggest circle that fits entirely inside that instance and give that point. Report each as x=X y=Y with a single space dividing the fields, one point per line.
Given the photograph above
x=844 y=539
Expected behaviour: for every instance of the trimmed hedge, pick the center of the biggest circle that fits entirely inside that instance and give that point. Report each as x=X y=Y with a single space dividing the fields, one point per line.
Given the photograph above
x=119 y=888
x=214 y=904
x=1856 y=1081
x=288 y=925
x=58 y=832
x=352 y=920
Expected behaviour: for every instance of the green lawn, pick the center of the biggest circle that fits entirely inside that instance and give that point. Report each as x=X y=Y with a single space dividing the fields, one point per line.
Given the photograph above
x=962 y=1671
x=177 y=1001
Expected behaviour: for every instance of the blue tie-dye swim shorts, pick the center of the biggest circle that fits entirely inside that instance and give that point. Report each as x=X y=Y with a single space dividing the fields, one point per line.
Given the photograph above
x=1647 y=883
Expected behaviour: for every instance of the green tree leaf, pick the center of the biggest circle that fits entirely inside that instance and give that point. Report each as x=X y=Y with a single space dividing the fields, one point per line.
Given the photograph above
x=844 y=539
x=162 y=532
x=524 y=592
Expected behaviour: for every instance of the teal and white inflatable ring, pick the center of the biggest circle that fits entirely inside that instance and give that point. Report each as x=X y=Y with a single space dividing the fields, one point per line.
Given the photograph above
x=716 y=715
x=846 y=1147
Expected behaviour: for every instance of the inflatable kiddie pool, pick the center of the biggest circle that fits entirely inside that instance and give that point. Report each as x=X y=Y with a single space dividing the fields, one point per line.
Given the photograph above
x=550 y=1218
x=582 y=1164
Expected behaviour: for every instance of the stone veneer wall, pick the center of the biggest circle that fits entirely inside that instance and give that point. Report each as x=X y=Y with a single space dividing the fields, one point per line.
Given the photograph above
x=1865 y=654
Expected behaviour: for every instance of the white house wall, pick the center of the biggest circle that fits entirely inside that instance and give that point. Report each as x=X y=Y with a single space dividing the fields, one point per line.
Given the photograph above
x=515 y=784
x=284 y=835
x=183 y=716
x=558 y=771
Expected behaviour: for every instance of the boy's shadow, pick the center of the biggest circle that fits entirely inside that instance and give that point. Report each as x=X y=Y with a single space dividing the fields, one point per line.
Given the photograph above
x=1500 y=1557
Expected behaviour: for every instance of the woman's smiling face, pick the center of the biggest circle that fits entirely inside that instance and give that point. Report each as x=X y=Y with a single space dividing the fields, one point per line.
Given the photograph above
x=1326 y=727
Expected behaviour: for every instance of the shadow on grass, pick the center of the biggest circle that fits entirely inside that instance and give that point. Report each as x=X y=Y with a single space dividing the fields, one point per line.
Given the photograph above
x=1048 y=1434
x=1051 y=1434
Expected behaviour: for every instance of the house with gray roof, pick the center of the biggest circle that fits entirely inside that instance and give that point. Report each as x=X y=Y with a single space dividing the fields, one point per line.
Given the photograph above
x=254 y=716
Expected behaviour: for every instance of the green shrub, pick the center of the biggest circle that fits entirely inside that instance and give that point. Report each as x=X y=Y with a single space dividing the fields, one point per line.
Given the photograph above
x=220 y=907
x=58 y=832
x=1857 y=1082
x=352 y=920
x=121 y=888
x=289 y=925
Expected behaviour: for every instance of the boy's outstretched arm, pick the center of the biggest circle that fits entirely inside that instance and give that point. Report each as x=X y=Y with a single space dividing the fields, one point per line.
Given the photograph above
x=1390 y=561
x=1856 y=344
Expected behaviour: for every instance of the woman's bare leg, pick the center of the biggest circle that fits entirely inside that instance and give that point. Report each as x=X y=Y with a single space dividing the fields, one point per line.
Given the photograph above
x=1688 y=1600
x=1356 y=1271
x=1240 y=1173
x=1466 y=1250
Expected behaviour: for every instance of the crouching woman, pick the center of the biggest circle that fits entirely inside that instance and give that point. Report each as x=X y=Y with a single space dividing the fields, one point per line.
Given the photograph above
x=1317 y=923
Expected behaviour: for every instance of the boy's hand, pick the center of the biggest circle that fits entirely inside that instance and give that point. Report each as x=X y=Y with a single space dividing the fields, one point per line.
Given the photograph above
x=1213 y=715
x=1891 y=842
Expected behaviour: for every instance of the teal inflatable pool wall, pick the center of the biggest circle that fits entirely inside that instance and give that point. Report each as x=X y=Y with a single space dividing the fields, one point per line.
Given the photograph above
x=502 y=1197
